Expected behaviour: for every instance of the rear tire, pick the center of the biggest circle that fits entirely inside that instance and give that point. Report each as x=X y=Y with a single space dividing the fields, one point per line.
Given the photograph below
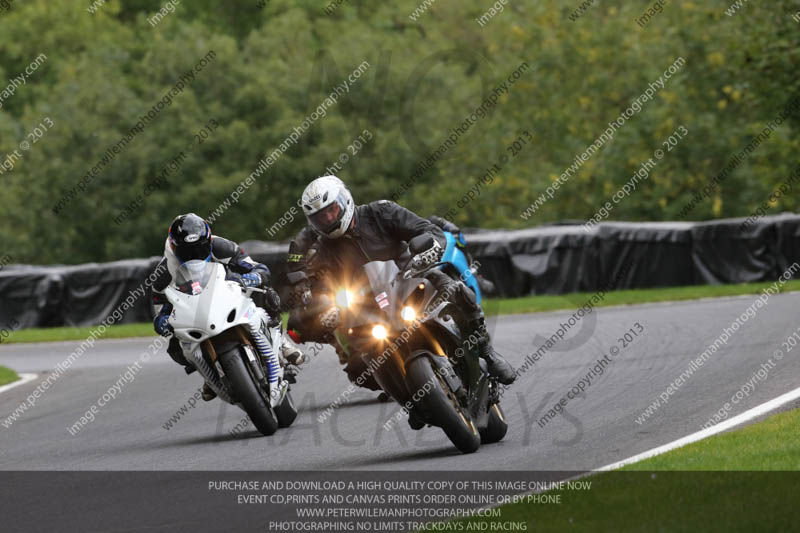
x=457 y=424
x=247 y=393
x=286 y=411
x=496 y=427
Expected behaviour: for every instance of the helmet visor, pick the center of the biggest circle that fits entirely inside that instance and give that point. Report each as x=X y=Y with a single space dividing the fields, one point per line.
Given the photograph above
x=193 y=251
x=329 y=217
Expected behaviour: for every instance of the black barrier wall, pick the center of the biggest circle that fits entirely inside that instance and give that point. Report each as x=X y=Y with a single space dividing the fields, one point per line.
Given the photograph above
x=554 y=259
x=637 y=255
x=79 y=295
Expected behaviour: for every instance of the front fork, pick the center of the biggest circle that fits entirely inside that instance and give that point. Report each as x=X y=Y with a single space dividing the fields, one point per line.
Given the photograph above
x=267 y=348
x=476 y=396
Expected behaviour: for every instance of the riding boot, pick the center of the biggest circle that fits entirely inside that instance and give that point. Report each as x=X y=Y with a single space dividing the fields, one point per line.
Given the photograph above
x=291 y=352
x=464 y=297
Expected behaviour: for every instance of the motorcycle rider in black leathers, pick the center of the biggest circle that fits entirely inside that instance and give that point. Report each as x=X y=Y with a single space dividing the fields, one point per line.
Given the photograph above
x=342 y=238
x=306 y=242
x=190 y=238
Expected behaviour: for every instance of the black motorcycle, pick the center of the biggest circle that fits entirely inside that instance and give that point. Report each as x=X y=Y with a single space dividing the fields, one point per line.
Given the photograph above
x=415 y=345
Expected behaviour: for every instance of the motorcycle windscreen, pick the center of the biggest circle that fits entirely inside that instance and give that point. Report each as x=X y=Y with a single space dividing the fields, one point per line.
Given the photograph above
x=380 y=274
x=192 y=277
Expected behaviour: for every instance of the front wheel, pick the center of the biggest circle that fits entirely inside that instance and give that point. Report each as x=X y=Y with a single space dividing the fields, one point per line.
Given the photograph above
x=496 y=427
x=286 y=411
x=440 y=403
x=247 y=393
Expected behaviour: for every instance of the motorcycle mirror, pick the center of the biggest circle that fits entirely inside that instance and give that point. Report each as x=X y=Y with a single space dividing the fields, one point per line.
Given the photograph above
x=420 y=243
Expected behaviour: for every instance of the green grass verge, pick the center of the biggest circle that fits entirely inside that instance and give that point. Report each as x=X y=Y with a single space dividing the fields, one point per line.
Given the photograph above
x=492 y=306
x=79 y=334
x=773 y=444
x=729 y=482
x=7 y=376
x=534 y=304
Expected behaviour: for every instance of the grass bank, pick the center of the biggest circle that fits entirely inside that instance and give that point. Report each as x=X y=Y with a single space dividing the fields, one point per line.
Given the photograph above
x=7 y=376
x=744 y=480
x=535 y=304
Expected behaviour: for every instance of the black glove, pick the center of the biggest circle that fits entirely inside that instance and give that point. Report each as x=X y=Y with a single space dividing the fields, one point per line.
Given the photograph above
x=272 y=302
x=301 y=294
x=428 y=257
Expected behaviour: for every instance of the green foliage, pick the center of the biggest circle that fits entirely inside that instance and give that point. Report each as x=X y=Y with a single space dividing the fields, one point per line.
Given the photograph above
x=276 y=64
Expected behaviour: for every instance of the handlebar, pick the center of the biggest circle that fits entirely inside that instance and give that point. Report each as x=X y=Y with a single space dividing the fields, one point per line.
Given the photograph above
x=254 y=289
x=410 y=273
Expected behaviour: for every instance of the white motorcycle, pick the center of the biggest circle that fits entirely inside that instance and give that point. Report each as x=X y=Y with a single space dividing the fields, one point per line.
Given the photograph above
x=227 y=338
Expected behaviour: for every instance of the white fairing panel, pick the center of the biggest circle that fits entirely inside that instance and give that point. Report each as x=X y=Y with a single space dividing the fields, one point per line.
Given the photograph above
x=205 y=305
x=217 y=306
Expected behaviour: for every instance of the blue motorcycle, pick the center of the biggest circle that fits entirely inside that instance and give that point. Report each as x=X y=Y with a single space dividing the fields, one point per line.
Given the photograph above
x=457 y=263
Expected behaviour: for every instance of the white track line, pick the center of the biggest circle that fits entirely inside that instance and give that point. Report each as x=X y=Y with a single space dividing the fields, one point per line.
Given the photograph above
x=23 y=379
x=755 y=412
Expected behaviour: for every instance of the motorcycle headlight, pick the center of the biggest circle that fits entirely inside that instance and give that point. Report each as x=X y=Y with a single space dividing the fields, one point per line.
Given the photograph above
x=344 y=298
x=379 y=332
x=408 y=313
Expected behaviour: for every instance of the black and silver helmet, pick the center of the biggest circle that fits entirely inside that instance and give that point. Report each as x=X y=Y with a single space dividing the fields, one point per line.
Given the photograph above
x=190 y=238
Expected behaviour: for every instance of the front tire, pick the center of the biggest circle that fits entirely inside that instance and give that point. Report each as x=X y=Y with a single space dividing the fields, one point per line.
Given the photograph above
x=286 y=411
x=496 y=427
x=247 y=393
x=443 y=407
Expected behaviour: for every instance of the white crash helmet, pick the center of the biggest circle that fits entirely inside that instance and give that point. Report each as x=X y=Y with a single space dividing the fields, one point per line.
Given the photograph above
x=328 y=206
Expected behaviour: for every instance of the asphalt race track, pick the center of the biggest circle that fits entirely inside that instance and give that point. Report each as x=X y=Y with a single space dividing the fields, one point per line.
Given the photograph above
x=597 y=429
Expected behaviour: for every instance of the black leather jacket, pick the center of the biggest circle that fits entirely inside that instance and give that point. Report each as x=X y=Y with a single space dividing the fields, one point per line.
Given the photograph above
x=381 y=232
